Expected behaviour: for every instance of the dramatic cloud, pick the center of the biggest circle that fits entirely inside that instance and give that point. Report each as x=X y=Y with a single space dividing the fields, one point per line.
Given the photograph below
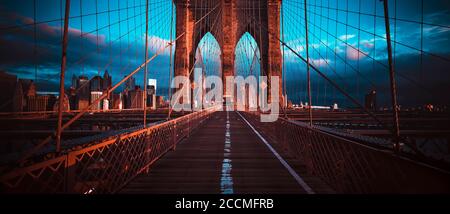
x=335 y=49
x=347 y=37
x=355 y=54
x=22 y=46
x=367 y=44
x=156 y=43
x=320 y=62
x=23 y=53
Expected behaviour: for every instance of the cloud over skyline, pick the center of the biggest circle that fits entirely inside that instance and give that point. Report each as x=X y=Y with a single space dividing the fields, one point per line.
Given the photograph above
x=344 y=53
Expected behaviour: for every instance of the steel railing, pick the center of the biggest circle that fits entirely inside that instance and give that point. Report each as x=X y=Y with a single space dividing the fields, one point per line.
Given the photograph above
x=106 y=166
x=351 y=165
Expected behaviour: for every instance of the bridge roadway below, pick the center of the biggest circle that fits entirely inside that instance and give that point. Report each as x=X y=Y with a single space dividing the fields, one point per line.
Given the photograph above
x=220 y=158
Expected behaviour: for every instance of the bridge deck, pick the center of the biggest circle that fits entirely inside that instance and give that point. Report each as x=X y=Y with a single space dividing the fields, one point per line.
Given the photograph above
x=217 y=159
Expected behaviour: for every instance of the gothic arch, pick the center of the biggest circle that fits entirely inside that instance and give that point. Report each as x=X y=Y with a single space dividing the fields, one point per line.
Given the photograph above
x=214 y=42
x=232 y=23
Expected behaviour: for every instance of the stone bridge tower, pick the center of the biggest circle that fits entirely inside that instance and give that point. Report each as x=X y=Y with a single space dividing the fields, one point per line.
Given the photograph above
x=232 y=18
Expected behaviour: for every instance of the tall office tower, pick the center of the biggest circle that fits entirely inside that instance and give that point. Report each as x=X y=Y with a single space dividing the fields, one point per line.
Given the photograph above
x=83 y=93
x=107 y=81
x=151 y=93
x=94 y=96
x=136 y=98
x=37 y=103
x=74 y=81
x=96 y=84
x=7 y=87
x=130 y=84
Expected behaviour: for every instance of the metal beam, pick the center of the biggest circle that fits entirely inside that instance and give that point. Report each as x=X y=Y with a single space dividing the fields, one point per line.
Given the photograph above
x=61 y=80
x=393 y=83
x=308 y=70
x=145 y=66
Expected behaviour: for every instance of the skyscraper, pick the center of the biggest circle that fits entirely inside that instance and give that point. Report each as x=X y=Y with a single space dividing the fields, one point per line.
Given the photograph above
x=94 y=96
x=117 y=101
x=151 y=93
x=96 y=86
x=96 y=83
x=72 y=93
x=107 y=84
x=107 y=81
x=25 y=88
x=37 y=103
x=130 y=84
x=74 y=81
x=83 y=93
x=7 y=86
x=136 y=98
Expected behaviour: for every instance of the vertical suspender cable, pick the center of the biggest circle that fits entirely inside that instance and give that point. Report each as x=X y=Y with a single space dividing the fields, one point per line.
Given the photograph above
x=35 y=43
x=261 y=68
x=169 y=95
x=395 y=108
x=81 y=37
x=308 y=71
x=359 y=50
x=61 y=80
x=145 y=67
x=283 y=70
x=421 y=41
x=97 y=31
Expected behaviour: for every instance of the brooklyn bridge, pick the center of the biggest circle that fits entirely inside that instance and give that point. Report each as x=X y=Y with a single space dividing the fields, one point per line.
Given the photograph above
x=359 y=92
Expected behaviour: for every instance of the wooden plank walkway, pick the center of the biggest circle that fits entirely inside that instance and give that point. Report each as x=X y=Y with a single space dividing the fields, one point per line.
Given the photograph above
x=221 y=158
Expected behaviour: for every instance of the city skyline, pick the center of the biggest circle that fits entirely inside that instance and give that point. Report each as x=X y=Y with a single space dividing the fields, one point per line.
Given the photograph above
x=266 y=98
x=420 y=74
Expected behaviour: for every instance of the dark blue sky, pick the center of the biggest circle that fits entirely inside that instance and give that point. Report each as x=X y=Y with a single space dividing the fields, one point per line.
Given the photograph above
x=346 y=42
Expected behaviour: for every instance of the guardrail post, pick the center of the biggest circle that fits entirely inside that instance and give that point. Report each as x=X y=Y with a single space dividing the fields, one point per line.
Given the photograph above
x=174 y=136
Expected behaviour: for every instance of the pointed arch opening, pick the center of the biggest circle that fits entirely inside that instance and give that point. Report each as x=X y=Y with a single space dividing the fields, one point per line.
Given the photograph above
x=208 y=56
x=207 y=62
x=248 y=67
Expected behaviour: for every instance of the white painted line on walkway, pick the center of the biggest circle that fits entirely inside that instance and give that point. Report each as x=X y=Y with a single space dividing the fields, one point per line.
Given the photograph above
x=294 y=174
x=226 y=180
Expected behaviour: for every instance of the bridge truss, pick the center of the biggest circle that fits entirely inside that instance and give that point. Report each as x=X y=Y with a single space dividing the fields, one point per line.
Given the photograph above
x=332 y=52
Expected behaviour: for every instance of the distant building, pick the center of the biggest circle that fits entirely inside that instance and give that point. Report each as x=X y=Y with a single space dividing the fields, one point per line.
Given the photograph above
x=94 y=96
x=136 y=98
x=66 y=104
x=18 y=102
x=83 y=93
x=130 y=84
x=7 y=88
x=96 y=83
x=24 y=89
x=74 y=83
x=290 y=105
x=160 y=102
x=117 y=101
x=28 y=86
x=371 y=100
x=107 y=81
x=99 y=86
x=72 y=93
x=126 y=104
x=105 y=104
x=38 y=103
x=151 y=93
